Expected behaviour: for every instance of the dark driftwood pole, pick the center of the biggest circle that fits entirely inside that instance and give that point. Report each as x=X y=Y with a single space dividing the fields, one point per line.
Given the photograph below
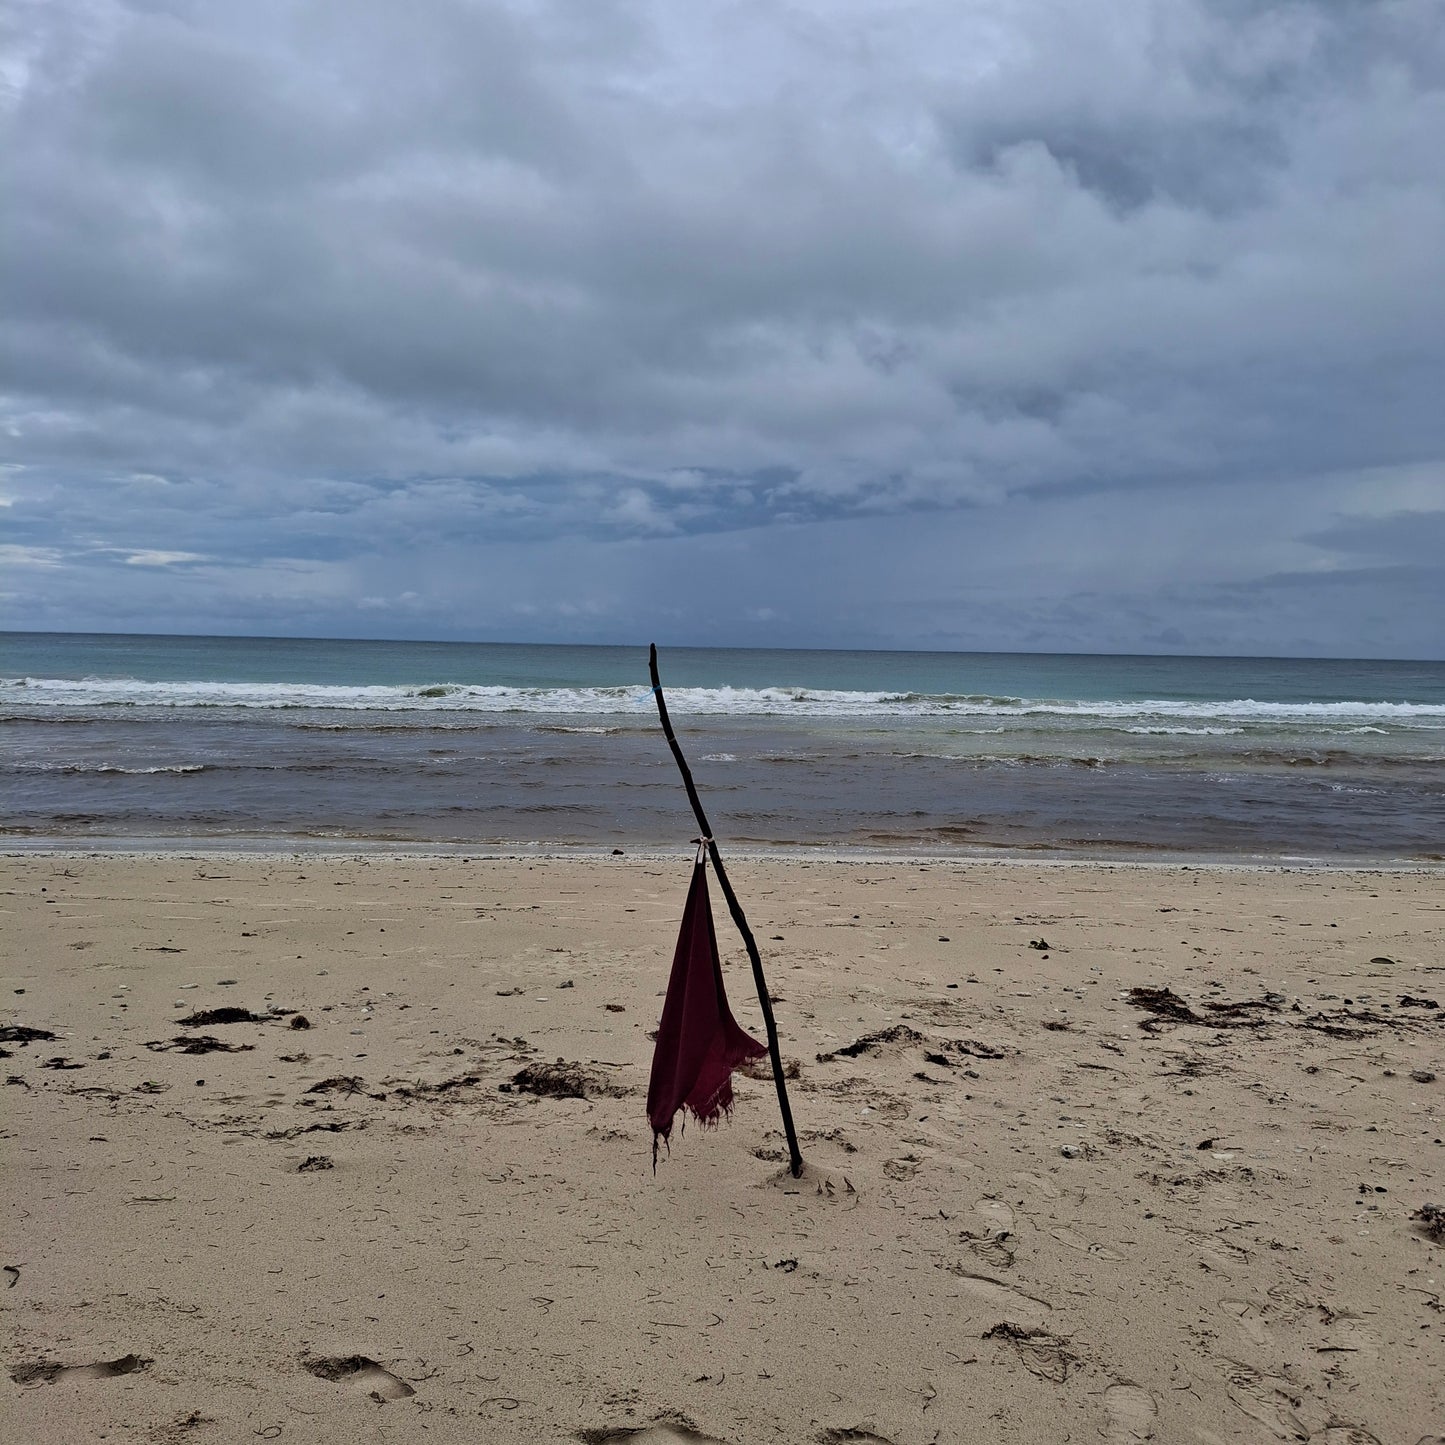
x=735 y=908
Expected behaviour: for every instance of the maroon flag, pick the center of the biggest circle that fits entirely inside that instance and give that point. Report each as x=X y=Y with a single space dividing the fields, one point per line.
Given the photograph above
x=699 y=1043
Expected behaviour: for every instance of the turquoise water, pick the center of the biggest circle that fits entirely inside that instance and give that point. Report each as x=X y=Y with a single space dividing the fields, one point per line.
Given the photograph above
x=134 y=737
x=419 y=664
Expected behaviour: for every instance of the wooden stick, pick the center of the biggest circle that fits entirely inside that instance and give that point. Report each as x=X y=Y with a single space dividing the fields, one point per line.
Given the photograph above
x=735 y=908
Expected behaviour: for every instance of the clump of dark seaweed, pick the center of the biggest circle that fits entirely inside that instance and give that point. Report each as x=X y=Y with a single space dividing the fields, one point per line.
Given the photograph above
x=562 y=1080
x=899 y=1035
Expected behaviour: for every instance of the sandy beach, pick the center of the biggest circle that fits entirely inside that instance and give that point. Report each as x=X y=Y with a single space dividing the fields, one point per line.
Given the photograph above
x=1093 y=1152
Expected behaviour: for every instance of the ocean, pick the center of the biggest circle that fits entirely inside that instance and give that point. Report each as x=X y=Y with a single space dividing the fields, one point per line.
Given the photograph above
x=150 y=741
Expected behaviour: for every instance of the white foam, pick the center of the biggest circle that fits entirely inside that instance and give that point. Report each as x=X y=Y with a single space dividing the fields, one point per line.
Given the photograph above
x=37 y=767
x=1156 y=715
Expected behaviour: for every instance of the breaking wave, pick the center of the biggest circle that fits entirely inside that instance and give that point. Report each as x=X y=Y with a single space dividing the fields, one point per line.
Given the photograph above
x=62 y=695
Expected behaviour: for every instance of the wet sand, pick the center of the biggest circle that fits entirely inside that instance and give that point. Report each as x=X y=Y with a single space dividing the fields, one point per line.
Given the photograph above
x=1157 y=1179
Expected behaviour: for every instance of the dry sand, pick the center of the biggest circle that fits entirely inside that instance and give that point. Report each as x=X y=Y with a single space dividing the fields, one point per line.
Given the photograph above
x=1033 y=1211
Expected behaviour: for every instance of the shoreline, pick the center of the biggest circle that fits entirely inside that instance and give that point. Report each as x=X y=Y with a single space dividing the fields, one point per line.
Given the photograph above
x=274 y=847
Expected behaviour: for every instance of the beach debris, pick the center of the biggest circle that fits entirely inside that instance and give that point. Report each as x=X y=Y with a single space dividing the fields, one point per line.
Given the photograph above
x=974 y=1049
x=60 y=1062
x=299 y=1021
x=1040 y=945
x=1270 y=1003
x=14 y=1271
x=674 y=1082
x=45 y=1372
x=1380 y=958
x=1431 y=1220
x=1348 y=1023
x=226 y=1015
x=197 y=1044
x=699 y=1042
x=230 y=1014
x=331 y=1126
x=763 y=1069
x=1165 y=1006
x=830 y=1136
x=22 y=1034
x=786 y=1265
x=1162 y=1003
x=1423 y=1076
x=900 y=1035
x=562 y=1080
x=184 y=1423
x=347 y=1084
x=420 y=1090
x=615 y=1008
x=314 y=1163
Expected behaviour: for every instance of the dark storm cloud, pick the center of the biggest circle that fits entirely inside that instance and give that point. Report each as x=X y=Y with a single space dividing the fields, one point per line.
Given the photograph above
x=301 y=298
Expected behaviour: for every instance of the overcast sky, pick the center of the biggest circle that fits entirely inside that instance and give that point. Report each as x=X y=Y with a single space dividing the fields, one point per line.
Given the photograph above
x=1076 y=325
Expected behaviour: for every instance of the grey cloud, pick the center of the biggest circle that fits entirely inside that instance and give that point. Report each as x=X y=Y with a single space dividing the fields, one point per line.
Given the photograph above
x=1401 y=539
x=361 y=283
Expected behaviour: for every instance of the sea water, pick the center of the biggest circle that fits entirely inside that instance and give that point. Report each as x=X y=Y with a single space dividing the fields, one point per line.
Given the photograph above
x=284 y=741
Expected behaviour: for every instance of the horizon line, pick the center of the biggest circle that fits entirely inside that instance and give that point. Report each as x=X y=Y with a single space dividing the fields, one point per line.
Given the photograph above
x=715 y=647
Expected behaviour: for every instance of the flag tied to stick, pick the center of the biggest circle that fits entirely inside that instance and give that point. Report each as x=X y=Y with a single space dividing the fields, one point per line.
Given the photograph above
x=699 y=1043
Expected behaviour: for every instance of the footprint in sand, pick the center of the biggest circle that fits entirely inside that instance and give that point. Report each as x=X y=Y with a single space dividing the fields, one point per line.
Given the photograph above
x=1247 y=1317
x=995 y=1250
x=1040 y=1353
x=45 y=1372
x=1270 y=1401
x=376 y=1380
x=1036 y=1184
x=1068 y=1238
x=997 y=1245
x=1132 y=1413
x=998 y=1214
x=1006 y=1303
x=1349 y=1331
x=679 y=1431
x=1221 y=1254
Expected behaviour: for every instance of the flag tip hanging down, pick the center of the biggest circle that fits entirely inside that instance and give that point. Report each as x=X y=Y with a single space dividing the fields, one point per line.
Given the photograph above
x=699 y=1043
